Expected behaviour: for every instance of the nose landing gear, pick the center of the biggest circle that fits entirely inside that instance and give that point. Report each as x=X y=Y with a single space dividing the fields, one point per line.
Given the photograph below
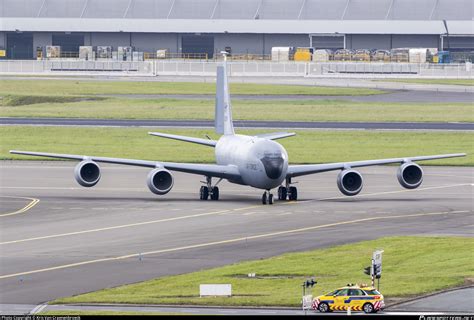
x=267 y=197
x=287 y=192
x=209 y=190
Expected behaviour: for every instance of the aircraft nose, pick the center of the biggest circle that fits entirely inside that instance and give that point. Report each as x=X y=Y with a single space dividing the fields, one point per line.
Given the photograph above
x=273 y=166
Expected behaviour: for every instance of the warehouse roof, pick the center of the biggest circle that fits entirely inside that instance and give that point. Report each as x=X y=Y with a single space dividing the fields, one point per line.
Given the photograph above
x=242 y=9
x=220 y=16
x=235 y=26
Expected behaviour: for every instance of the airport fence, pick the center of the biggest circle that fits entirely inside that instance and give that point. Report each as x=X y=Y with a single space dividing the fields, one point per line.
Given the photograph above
x=236 y=68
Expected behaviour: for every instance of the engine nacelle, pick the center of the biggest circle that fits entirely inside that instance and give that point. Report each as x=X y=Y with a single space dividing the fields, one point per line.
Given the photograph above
x=87 y=173
x=349 y=182
x=410 y=175
x=160 y=181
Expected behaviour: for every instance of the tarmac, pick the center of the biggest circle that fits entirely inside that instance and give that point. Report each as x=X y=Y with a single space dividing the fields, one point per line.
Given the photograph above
x=426 y=126
x=59 y=239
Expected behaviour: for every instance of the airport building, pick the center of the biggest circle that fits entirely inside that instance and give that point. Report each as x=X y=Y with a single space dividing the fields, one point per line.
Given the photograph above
x=241 y=26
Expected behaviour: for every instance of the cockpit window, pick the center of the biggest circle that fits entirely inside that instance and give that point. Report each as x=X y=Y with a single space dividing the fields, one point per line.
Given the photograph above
x=273 y=164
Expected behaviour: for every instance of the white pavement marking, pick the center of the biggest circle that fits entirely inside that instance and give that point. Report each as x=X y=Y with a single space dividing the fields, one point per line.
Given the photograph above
x=125 y=225
x=38 y=308
x=228 y=241
x=398 y=191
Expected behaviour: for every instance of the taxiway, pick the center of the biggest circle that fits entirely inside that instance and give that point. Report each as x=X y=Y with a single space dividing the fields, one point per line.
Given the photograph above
x=59 y=239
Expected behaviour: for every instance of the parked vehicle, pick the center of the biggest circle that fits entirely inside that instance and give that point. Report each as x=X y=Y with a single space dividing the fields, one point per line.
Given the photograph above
x=357 y=298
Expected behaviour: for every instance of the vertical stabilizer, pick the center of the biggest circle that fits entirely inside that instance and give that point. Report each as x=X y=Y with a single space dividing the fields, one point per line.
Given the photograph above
x=223 y=116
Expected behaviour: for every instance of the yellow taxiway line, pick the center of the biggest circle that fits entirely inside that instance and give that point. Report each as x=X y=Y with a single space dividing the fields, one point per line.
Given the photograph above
x=30 y=205
x=228 y=241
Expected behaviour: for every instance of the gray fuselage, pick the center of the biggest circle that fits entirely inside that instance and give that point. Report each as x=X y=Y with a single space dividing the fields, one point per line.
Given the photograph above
x=262 y=163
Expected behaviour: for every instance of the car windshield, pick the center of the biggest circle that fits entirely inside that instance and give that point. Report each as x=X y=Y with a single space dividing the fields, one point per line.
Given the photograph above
x=343 y=292
x=333 y=293
x=371 y=292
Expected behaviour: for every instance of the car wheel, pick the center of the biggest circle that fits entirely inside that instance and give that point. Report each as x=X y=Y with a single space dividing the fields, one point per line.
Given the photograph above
x=368 y=308
x=323 y=307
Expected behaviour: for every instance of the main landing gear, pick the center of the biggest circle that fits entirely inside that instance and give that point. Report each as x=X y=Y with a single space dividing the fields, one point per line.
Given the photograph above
x=287 y=191
x=209 y=191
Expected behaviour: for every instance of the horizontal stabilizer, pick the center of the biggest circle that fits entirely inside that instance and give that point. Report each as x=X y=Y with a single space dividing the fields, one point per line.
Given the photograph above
x=206 y=142
x=275 y=135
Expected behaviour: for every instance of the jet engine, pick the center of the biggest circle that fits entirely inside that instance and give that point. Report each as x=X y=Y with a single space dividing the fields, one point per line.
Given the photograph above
x=349 y=182
x=410 y=175
x=160 y=181
x=87 y=173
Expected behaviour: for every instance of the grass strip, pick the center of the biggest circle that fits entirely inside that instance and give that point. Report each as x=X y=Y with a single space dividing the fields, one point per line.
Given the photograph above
x=81 y=87
x=308 y=146
x=313 y=110
x=412 y=266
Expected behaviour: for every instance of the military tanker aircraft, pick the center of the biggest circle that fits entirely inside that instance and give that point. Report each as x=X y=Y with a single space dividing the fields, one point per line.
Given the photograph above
x=256 y=161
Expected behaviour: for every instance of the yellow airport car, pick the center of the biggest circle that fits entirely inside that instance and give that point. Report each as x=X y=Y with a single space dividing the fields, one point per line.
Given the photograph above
x=358 y=298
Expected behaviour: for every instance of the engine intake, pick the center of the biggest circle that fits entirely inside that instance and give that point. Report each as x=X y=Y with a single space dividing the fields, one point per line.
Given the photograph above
x=349 y=182
x=87 y=173
x=160 y=181
x=410 y=175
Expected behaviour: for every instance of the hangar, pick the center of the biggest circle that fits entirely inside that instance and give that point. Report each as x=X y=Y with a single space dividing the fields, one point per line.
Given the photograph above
x=244 y=26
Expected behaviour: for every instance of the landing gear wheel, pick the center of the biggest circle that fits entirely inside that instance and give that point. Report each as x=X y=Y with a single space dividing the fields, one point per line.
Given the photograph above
x=293 y=194
x=204 y=193
x=368 y=308
x=215 y=193
x=264 y=198
x=282 y=193
x=270 y=198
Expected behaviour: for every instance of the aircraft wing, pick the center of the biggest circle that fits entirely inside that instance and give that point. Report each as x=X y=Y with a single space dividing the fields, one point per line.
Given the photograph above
x=206 y=142
x=212 y=170
x=305 y=169
x=275 y=135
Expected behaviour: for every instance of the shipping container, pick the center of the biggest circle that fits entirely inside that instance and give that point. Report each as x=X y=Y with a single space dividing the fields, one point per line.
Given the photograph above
x=282 y=53
x=417 y=55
